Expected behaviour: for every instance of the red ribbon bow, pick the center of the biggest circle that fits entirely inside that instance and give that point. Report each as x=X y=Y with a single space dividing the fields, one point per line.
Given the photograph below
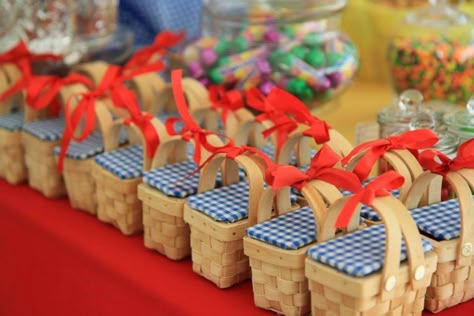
x=379 y=187
x=42 y=91
x=321 y=167
x=439 y=163
x=22 y=57
x=282 y=124
x=162 y=43
x=191 y=129
x=411 y=140
x=225 y=101
x=112 y=84
x=288 y=103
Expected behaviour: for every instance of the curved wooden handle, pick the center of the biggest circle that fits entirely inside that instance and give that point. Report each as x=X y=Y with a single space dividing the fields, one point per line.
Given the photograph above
x=7 y=105
x=339 y=143
x=94 y=70
x=146 y=88
x=398 y=223
x=10 y=74
x=255 y=178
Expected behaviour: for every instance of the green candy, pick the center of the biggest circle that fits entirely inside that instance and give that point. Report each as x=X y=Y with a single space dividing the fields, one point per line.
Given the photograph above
x=312 y=39
x=307 y=94
x=296 y=86
x=316 y=58
x=221 y=47
x=288 y=31
x=240 y=44
x=275 y=56
x=333 y=58
x=286 y=60
x=224 y=61
x=299 y=51
x=215 y=76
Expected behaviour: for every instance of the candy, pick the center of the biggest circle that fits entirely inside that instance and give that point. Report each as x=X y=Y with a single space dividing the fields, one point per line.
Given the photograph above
x=333 y=58
x=208 y=56
x=266 y=86
x=438 y=67
x=312 y=40
x=240 y=44
x=316 y=58
x=221 y=47
x=263 y=67
x=299 y=51
x=195 y=69
x=271 y=36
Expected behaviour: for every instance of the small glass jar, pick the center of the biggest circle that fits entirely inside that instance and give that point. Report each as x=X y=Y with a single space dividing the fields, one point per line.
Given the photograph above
x=461 y=123
x=433 y=52
x=296 y=45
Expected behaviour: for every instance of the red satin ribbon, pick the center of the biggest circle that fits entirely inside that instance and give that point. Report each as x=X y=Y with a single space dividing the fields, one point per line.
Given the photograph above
x=111 y=84
x=225 y=101
x=411 y=140
x=377 y=188
x=23 y=58
x=282 y=124
x=191 y=129
x=288 y=103
x=162 y=43
x=43 y=91
x=439 y=163
x=321 y=167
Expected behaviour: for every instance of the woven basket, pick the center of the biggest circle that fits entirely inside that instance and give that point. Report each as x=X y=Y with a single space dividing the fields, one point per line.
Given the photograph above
x=453 y=281
x=117 y=199
x=164 y=228
x=217 y=247
x=398 y=289
x=278 y=277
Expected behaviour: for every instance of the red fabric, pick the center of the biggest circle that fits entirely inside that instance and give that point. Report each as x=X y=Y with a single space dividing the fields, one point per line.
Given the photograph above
x=439 y=163
x=55 y=261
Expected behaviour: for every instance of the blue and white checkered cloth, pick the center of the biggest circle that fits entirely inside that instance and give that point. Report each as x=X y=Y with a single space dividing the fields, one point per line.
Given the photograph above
x=125 y=163
x=148 y=17
x=12 y=122
x=225 y=204
x=289 y=231
x=90 y=147
x=357 y=254
x=48 y=130
x=441 y=220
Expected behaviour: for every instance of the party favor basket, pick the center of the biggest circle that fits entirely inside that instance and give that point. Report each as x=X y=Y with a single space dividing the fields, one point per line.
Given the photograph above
x=171 y=179
x=12 y=164
x=117 y=173
x=447 y=225
x=365 y=272
x=277 y=247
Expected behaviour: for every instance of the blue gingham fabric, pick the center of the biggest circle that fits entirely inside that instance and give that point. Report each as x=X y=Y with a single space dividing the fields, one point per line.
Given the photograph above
x=225 y=204
x=12 y=122
x=90 y=147
x=441 y=220
x=148 y=17
x=357 y=254
x=48 y=130
x=289 y=231
x=125 y=163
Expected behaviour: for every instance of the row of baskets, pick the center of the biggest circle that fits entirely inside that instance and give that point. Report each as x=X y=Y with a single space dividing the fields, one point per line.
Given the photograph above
x=246 y=196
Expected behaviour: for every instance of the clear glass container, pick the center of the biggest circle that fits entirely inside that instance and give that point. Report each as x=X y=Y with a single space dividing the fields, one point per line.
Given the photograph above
x=461 y=123
x=296 y=45
x=10 y=30
x=96 y=18
x=49 y=25
x=411 y=113
x=433 y=52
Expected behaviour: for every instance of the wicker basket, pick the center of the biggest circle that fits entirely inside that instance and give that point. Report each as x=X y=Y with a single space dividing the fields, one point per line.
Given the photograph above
x=217 y=247
x=453 y=281
x=117 y=199
x=278 y=276
x=398 y=289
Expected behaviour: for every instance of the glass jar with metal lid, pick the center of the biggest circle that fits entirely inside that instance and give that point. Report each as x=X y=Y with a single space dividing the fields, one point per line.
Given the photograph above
x=296 y=45
x=461 y=123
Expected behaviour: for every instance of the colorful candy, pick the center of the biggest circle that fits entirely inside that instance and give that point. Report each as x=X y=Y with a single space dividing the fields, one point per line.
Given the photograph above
x=304 y=59
x=440 y=68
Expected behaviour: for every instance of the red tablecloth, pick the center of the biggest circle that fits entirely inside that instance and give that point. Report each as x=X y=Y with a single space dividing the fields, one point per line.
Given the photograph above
x=58 y=261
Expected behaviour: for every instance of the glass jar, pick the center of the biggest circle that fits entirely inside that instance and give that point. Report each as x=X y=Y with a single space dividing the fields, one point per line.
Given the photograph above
x=411 y=113
x=461 y=123
x=49 y=25
x=96 y=18
x=9 y=27
x=434 y=53
x=296 y=45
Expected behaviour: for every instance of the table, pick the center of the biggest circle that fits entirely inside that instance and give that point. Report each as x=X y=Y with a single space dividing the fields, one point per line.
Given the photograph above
x=58 y=261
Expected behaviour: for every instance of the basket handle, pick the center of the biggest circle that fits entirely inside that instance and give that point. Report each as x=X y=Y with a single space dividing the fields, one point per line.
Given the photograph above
x=94 y=70
x=9 y=74
x=339 y=143
x=147 y=87
x=462 y=182
x=207 y=181
x=398 y=223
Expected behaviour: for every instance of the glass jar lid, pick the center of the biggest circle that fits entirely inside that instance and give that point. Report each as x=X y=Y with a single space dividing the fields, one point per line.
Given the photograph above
x=409 y=103
x=462 y=122
x=439 y=14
